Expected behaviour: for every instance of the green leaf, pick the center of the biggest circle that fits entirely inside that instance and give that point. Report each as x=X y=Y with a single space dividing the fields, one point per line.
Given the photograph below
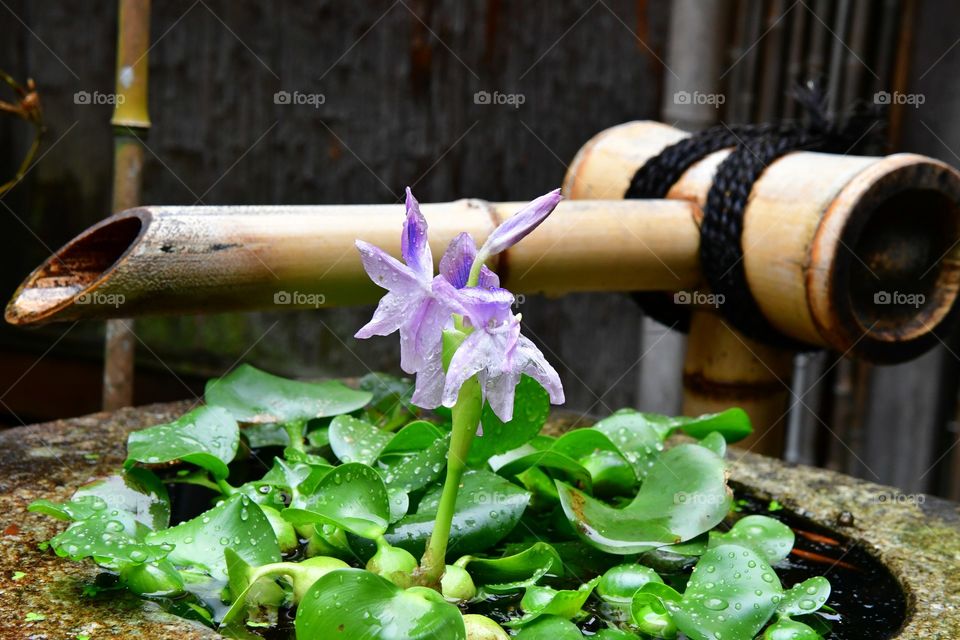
x=684 y=495
x=207 y=437
x=136 y=491
x=419 y=469
x=544 y=601
x=638 y=440
x=104 y=537
x=487 y=509
x=252 y=395
x=268 y=434
x=513 y=572
x=541 y=452
x=620 y=583
x=354 y=440
x=715 y=442
x=332 y=604
x=416 y=436
x=732 y=594
x=733 y=424
x=787 y=629
x=767 y=536
x=237 y=522
x=550 y=628
x=531 y=407
x=805 y=598
x=352 y=497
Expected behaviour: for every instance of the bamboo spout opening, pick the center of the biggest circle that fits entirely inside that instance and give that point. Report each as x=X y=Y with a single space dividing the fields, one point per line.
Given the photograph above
x=75 y=270
x=903 y=278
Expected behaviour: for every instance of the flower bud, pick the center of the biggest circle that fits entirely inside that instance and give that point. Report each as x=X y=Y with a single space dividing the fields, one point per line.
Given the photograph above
x=394 y=564
x=483 y=628
x=456 y=584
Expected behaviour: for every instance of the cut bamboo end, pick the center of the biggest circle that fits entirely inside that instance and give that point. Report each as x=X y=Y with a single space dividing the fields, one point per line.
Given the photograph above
x=180 y=260
x=827 y=239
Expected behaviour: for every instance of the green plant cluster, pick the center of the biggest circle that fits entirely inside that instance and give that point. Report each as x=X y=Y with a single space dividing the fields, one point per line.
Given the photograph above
x=602 y=527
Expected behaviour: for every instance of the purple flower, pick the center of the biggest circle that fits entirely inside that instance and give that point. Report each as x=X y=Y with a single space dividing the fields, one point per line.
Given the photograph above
x=496 y=353
x=410 y=304
x=457 y=261
x=520 y=224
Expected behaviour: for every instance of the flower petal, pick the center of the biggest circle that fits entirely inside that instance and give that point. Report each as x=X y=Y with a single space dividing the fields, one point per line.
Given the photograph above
x=391 y=313
x=474 y=354
x=457 y=260
x=521 y=223
x=499 y=391
x=430 y=379
x=485 y=306
x=413 y=243
x=488 y=279
x=421 y=333
x=385 y=270
x=531 y=362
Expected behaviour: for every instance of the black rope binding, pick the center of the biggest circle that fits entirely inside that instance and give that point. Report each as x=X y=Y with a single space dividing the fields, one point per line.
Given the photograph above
x=721 y=253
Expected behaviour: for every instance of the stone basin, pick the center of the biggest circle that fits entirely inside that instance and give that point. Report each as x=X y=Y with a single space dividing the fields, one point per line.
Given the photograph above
x=918 y=541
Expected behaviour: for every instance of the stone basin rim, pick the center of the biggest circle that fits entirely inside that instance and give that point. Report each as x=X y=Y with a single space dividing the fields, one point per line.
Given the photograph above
x=918 y=540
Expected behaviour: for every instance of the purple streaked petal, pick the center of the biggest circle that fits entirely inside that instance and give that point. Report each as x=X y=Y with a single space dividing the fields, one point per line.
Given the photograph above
x=488 y=279
x=499 y=391
x=413 y=242
x=531 y=362
x=457 y=260
x=430 y=378
x=421 y=334
x=485 y=306
x=521 y=223
x=385 y=270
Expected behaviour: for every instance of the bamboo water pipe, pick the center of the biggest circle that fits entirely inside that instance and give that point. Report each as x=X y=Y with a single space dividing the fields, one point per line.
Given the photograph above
x=177 y=260
x=829 y=241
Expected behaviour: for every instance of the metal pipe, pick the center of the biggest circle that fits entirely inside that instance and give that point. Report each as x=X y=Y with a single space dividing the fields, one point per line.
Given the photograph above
x=130 y=123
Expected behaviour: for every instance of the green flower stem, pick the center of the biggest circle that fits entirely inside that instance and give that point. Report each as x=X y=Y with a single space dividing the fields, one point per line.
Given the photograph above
x=474 y=276
x=466 y=417
x=294 y=430
x=225 y=487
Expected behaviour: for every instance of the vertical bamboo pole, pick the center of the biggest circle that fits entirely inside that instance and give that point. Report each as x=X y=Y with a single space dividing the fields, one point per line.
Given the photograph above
x=130 y=123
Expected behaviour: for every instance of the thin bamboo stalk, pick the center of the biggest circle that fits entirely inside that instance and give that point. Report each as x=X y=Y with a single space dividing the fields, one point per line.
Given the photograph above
x=130 y=122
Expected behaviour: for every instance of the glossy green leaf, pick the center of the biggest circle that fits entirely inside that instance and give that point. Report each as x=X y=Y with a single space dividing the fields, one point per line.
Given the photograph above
x=787 y=629
x=107 y=537
x=546 y=601
x=352 y=497
x=733 y=424
x=636 y=437
x=684 y=495
x=354 y=440
x=267 y=434
x=558 y=455
x=414 y=437
x=620 y=583
x=207 y=437
x=805 y=598
x=334 y=602
x=299 y=478
x=487 y=509
x=767 y=536
x=252 y=395
x=615 y=634
x=531 y=407
x=550 y=628
x=419 y=469
x=136 y=491
x=732 y=593
x=516 y=571
x=237 y=522
x=715 y=442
